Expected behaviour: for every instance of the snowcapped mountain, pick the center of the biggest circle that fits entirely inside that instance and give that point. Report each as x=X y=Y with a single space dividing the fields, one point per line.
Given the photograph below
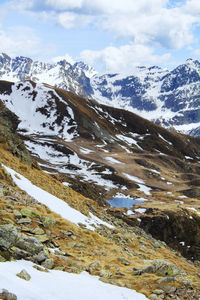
x=61 y=74
x=169 y=98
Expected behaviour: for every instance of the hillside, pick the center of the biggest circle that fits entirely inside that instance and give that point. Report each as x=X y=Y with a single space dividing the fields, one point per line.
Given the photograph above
x=53 y=208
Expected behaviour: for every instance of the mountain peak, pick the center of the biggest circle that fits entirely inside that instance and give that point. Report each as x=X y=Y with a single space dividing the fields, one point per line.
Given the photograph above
x=88 y=70
x=193 y=63
x=4 y=57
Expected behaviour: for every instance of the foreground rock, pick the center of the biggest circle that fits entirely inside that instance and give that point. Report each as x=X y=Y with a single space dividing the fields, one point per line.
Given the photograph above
x=14 y=244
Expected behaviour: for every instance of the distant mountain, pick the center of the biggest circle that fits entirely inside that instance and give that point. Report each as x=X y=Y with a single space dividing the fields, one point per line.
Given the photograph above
x=169 y=98
x=61 y=74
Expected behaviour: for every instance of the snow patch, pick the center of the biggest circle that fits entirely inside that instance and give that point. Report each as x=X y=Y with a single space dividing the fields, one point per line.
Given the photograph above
x=113 y=160
x=133 y=178
x=145 y=189
x=59 y=285
x=55 y=204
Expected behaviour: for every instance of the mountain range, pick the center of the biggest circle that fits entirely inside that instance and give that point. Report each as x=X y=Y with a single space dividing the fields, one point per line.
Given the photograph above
x=169 y=98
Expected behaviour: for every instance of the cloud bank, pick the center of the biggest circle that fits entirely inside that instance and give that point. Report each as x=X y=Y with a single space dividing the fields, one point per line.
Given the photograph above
x=146 y=25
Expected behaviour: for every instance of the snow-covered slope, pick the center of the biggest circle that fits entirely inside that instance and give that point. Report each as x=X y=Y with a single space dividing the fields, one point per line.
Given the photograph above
x=40 y=110
x=57 y=284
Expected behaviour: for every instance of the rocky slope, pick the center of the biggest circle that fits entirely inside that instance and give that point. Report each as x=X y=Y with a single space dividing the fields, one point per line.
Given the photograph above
x=102 y=152
x=170 y=98
x=117 y=252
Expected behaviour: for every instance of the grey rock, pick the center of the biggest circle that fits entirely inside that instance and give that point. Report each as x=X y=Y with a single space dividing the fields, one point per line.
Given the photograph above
x=48 y=263
x=104 y=273
x=2 y=259
x=160 y=268
x=26 y=212
x=157 y=244
x=40 y=268
x=18 y=253
x=29 y=244
x=24 y=275
x=71 y=244
x=17 y=214
x=170 y=290
x=67 y=233
x=40 y=257
x=166 y=280
x=37 y=231
x=93 y=266
x=24 y=221
x=8 y=235
x=158 y=292
x=58 y=252
x=8 y=296
x=123 y=261
x=48 y=221
x=153 y=297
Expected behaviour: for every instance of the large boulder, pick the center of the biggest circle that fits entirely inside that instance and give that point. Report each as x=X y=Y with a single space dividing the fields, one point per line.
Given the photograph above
x=15 y=245
x=160 y=268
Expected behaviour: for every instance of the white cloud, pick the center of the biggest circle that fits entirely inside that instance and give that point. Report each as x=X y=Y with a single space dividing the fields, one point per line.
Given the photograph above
x=124 y=58
x=192 y=7
x=152 y=22
x=168 y=29
x=196 y=53
x=69 y=20
x=105 y=6
x=63 y=4
x=145 y=24
x=22 y=41
x=148 y=22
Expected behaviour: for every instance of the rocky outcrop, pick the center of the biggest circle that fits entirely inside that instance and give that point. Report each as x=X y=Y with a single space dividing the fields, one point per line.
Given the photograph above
x=160 y=268
x=179 y=229
x=8 y=126
x=14 y=244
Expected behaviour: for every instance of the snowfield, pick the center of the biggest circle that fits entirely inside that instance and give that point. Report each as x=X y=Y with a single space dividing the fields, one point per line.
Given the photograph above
x=58 y=285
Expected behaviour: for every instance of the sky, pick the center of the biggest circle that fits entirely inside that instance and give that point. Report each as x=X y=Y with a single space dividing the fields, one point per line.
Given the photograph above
x=110 y=35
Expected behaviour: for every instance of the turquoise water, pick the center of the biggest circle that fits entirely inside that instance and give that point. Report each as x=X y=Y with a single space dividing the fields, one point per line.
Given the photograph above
x=123 y=202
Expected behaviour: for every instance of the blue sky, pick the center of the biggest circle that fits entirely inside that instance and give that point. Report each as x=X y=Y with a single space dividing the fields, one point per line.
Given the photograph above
x=111 y=35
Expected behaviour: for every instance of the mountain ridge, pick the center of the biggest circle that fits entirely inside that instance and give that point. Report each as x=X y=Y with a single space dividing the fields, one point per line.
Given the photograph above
x=170 y=98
